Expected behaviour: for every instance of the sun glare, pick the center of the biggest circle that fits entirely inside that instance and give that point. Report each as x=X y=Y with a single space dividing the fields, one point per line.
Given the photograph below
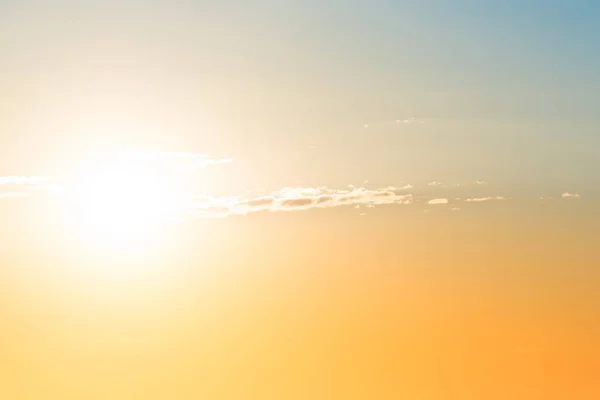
x=123 y=203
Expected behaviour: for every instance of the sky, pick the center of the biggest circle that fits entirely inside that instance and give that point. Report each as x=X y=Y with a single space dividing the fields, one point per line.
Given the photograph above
x=318 y=199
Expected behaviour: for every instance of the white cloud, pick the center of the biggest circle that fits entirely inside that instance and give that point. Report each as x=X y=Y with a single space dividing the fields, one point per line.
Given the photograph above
x=568 y=195
x=394 y=188
x=293 y=199
x=481 y=199
x=20 y=183
x=407 y=121
x=22 y=180
x=479 y=183
x=183 y=159
x=438 y=201
x=434 y=183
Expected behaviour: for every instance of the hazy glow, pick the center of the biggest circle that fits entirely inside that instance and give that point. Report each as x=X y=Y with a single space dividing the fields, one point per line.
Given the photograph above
x=123 y=203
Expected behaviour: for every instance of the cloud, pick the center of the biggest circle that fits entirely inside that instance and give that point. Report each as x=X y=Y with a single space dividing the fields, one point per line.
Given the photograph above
x=18 y=184
x=294 y=199
x=438 y=201
x=567 y=195
x=22 y=180
x=437 y=184
x=394 y=188
x=407 y=121
x=185 y=159
x=481 y=199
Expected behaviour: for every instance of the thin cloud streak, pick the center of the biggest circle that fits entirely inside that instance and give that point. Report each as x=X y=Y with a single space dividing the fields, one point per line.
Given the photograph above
x=438 y=201
x=191 y=160
x=22 y=180
x=568 y=195
x=295 y=199
x=482 y=199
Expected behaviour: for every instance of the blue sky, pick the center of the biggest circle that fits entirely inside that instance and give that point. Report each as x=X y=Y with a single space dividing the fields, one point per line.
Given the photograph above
x=507 y=91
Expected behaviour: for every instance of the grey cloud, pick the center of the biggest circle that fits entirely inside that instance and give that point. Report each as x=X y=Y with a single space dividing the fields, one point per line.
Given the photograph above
x=293 y=203
x=261 y=201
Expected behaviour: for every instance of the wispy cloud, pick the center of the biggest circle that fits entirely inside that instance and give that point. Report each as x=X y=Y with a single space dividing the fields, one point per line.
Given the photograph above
x=294 y=199
x=19 y=185
x=438 y=201
x=454 y=185
x=22 y=180
x=408 y=121
x=568 y=195
x=191 y=160
x=481 y=199
x=395 y=188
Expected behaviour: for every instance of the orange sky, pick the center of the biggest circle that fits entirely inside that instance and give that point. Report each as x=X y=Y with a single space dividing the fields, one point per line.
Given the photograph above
x=333 y=199
x=404 y=304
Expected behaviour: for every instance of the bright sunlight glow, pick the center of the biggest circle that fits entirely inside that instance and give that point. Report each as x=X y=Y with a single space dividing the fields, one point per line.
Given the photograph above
x=123 y=203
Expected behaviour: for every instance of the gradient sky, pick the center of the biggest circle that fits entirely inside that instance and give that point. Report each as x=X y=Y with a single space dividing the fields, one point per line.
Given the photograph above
x=462 y=264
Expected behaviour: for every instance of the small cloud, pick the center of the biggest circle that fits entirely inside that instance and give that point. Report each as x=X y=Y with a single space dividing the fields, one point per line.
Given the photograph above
x=479 y=183
x=455 y=209
x=481 y=199
x=366 y=181
x=394 y=188
x=366 y=125
x=434 y=183
x=437 y=201
x=362 y=214
x=568 y=195
x=407 y=121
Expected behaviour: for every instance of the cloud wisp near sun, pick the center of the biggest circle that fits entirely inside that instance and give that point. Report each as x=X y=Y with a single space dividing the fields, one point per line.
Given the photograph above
x=123 y=184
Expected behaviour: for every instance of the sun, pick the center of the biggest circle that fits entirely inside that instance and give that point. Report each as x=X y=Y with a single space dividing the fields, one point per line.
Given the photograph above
x=123 y=202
